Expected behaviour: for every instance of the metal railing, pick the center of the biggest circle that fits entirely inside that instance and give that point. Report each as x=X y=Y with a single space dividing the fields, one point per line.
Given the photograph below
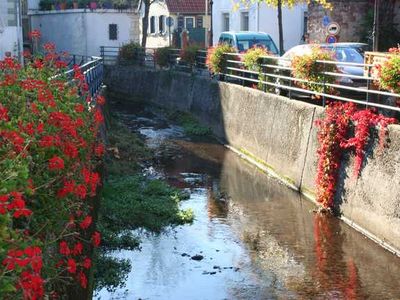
x=275 y=75
x=146 y=57
x=93 y=71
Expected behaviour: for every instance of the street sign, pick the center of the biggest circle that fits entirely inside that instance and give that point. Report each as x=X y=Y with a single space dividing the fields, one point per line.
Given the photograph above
x=326 y=20
x=333 y=28
x=170 y=21
x=331 y=39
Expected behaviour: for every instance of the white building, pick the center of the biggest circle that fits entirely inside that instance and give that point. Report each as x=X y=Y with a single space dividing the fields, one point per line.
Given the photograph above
x=84 y=31
x=260 y=17
x=190 y=15
x=10 y=28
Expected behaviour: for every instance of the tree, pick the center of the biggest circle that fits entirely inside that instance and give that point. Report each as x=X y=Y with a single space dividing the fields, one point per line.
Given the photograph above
x=145 y=20
x=279 y=4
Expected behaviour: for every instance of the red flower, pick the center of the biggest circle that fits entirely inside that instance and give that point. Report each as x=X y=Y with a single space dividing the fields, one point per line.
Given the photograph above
x=87 y=262
x=50 y=47
x=71 y=265
x=98 y=116
x=99 y=150
x=100 y=100
x=56 y=163
x=96 y=238
x=34 y=34
x=82 y=279
x=64 y=249
x=78 y=248
x=3 y=113
x=81 y=191
x=86 y=222
x=79 y=108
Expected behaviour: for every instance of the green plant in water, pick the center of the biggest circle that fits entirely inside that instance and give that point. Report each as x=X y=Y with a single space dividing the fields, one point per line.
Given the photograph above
x=189 y=123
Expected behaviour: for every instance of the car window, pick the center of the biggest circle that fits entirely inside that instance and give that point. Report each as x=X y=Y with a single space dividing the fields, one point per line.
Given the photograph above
x=245 y=44
x=350 y=55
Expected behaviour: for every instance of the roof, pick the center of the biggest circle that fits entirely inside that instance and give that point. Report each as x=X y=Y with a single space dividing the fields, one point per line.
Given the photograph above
x=186 y=6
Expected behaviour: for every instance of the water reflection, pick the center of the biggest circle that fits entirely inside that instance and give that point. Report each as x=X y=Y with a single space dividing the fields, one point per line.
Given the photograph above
x=259 y=239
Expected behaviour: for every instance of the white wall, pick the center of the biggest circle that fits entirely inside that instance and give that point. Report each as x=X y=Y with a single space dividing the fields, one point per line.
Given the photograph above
x=157 y=40
x=82 y=32
x=263 y=18
x=9 y=35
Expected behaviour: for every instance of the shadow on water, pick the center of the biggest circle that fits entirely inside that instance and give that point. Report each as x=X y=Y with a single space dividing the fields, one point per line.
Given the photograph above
x=257 y=238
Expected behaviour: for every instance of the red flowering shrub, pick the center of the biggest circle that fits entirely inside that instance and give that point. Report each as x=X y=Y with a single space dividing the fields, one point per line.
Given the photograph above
x=333 y=140
x=48 y=149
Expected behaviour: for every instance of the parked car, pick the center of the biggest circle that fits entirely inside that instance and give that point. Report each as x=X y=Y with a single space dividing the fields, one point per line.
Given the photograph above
x=342 y=52
x=248 y=39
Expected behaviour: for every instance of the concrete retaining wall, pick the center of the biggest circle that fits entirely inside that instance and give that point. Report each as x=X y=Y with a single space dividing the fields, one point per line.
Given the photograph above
x=278 y=135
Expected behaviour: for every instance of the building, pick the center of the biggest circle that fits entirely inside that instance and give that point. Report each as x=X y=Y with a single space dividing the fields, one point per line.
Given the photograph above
x=190 y=15
x=260 y=17
x=83 y=31
x=353 y=20
x=10 y=28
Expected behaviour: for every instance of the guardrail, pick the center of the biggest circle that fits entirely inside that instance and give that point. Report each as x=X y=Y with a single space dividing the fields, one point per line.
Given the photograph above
x=276 y=77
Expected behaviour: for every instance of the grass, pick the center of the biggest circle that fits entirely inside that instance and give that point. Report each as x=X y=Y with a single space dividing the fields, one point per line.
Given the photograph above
x=189 y=123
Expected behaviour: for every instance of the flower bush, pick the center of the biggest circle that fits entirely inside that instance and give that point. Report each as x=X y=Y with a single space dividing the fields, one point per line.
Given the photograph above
x=189 y=54
x=48 y=149
x=216 y=60
x=333 y=137
x=306 y=67
x=254 y=58
x=131 y=53
x=161 y=56
x=389 y=72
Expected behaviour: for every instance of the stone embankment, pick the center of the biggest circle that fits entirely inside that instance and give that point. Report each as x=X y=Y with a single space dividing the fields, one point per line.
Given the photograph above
x=279 y=136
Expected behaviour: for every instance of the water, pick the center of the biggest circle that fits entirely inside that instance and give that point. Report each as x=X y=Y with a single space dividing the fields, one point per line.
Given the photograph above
x=258 y=239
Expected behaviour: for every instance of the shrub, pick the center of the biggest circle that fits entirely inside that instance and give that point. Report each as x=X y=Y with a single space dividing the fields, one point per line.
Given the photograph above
x=216 y=60
x=307 y=68
x=45 y=4
x=389 y=72
x=131 y=53
x=47 y=160
x=162 y=57
x=189 y=54
x=253 y=59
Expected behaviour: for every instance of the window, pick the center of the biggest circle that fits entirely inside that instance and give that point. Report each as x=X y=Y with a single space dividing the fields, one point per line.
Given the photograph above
x=152 y=24
x=189 y=23
x=199 y=22
x=244 y=26
x=113 y=32
x=161 y=24
x=225 y=22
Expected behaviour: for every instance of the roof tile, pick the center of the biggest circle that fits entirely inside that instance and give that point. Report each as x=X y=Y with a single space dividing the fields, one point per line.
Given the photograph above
x=186 y=6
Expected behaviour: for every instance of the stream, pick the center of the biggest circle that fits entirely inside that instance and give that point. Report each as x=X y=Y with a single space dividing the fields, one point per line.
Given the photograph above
x=252 y=237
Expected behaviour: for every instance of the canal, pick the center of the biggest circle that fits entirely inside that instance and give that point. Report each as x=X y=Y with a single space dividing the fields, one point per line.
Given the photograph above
x=252 y=238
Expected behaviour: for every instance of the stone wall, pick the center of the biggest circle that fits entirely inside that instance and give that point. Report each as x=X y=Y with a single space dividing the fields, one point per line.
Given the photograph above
x=279 y=136
x=350 y=15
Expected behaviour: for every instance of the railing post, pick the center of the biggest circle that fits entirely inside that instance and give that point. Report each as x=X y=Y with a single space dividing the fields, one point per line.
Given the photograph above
x=74 y=59
x=368 y=86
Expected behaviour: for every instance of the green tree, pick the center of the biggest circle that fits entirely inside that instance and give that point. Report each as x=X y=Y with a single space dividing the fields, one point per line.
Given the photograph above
x=279 y=4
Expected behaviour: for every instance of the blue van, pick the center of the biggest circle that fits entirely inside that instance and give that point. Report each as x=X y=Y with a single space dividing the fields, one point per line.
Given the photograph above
x=245 y=40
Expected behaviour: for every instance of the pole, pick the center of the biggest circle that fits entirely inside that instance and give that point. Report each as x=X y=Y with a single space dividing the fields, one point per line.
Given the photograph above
x=206 y=27
x=211 y=24
x=375 y=31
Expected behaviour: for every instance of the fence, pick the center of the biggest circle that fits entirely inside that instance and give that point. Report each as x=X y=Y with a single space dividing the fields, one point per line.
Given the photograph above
x=93 y=72
x=276 y=76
